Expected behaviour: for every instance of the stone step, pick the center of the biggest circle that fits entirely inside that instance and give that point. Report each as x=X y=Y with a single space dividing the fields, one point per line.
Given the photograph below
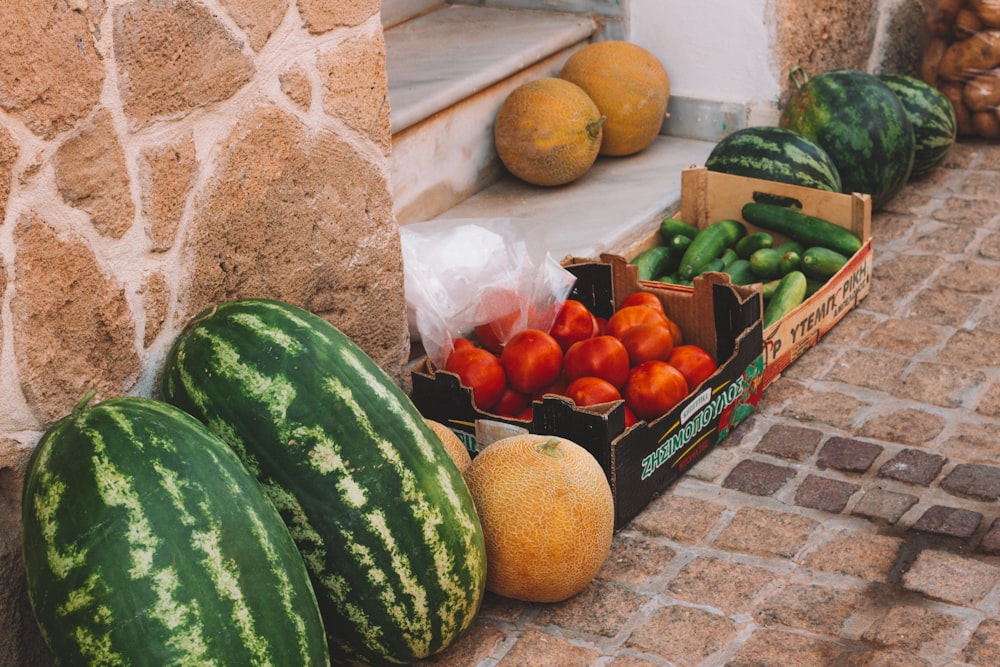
x=394 y=12
x=617 y=203
x=449 y=71
x=441 y=58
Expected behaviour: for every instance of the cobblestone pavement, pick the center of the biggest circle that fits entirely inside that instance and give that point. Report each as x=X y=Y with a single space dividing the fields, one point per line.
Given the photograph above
x=853 y=520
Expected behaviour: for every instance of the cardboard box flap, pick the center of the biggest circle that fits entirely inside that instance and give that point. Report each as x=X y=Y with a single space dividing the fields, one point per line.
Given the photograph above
x=594 y=286
x=711 y=314
x=729 y=193
x=642 y=461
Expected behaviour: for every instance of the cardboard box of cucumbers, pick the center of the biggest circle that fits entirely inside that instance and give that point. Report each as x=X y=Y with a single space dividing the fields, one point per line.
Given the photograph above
x=809 y=251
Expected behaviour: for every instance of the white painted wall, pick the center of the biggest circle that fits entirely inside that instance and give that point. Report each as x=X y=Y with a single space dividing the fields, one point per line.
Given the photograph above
x=718 y=50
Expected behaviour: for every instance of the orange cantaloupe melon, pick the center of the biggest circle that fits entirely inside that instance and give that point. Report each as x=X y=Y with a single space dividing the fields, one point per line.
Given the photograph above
x=548 y=132
x=630 y=87
x=547 y=513
x=456 y=448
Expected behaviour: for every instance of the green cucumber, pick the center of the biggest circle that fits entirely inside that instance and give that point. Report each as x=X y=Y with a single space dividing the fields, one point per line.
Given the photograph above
x=790 y=261
x=716 y=265
x=822 y=263
x=709 y=244
x=806 y=229
x=768 y=289
x=813 y=286
x=654 y=262
x=728 y=256
x=791 y=246
x=751 y=243
x=740 y=272
x=680 y=242
x=766 y=263
x=673 y=279
x=671 y=227
x=790 y=292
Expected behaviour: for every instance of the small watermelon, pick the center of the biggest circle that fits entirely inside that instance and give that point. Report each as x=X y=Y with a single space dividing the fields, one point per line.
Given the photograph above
x=935 y=126
x=775 y=154
x=861 y=124
x=383 y=519
x=146 y=542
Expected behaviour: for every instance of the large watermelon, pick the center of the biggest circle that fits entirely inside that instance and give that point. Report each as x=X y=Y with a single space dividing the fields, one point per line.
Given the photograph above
x=775 y=154
x=862 y=126
x=935 y=126
x=376 y=505
x=146 y=542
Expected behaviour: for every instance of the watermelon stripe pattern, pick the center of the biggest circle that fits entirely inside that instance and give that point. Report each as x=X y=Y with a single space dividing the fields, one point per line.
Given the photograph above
x=379 y=511
x=861 y=125
x=146 y=542
x=932 y=115
x=775 y=154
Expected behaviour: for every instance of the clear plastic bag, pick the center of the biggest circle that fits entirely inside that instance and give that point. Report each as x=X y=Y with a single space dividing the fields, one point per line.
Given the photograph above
x=961 y=58
x=464 y=273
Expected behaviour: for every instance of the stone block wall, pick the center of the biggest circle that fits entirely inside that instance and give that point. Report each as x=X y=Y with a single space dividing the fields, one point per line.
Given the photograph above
x=159 y=156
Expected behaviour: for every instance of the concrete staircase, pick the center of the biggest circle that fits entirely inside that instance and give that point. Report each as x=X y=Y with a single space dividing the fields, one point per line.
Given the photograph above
x=450 y=66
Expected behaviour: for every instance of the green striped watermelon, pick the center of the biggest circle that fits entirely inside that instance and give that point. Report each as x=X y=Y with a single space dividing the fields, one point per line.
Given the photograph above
x=935 y=126
x=861 y=125
x=775 y=154
x=379 y=510
x=147 y=542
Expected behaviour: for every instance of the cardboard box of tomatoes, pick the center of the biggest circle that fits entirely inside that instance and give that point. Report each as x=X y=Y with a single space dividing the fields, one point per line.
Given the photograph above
x=708 y=196
x=641 y=457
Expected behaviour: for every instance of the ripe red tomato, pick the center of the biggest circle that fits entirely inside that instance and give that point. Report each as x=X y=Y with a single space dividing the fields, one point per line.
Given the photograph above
x=511 y=403
x=459 y=343
x=557 y=387
x=601 y=356
x=694 y=363
x=479 y=370
x=675 y=331
x=643 y=299
x=532 y=360
x=653 y=388
x=625 y=318
x=648 y=341
x=599 y=324
x=489 y=337
x=589 y=390
x=630 y=418
x=573 y=323
x=494 y=333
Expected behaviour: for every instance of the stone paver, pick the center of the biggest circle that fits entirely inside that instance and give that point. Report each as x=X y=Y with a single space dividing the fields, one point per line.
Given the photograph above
x=790 y=442
x=853 y=520
x=882 y=505
x=686 y=634
x=951 y=521
x=765 y=532
x=757 y=477
x=973 y=480
x=847 y=454
x=913 y=628
x=913 y=466
x=830 y=495
x=951 y=577
x=727 y=586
